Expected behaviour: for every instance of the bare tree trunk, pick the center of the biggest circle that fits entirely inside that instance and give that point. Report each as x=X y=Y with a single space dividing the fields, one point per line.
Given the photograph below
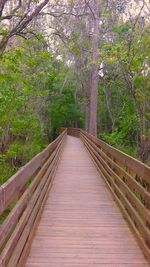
x=94 y=70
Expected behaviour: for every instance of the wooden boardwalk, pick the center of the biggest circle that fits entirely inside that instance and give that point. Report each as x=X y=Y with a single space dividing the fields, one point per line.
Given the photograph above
x=81 y=225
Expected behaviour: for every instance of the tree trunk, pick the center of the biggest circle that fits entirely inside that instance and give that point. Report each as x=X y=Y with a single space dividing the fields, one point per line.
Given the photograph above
x=94 y=70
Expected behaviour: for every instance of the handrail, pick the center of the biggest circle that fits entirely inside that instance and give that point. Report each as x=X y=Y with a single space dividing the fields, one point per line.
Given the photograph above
x=127 y=178
x=26 y=191
x=129 y=181
x=71 y=131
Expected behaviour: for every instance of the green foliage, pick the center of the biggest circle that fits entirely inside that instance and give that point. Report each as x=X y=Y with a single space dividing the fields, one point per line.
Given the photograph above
x=39 y=93
x=124 y=90
x=64 y=108
x=32 y=104
x=121 y=28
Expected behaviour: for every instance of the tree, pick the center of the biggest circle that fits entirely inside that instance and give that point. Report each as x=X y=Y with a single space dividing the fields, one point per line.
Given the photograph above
x=81 y=39
x=125 y=59
x=15 y=16
x=92 y=127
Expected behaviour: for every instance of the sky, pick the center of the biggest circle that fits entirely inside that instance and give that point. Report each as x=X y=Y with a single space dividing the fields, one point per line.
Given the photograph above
x=134 y=8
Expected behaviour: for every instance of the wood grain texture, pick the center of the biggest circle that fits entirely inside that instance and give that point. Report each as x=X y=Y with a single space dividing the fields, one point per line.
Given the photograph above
x=133 y=164
x=132 y=199
x=81 y=225
x=12 y=187
x=17 y=227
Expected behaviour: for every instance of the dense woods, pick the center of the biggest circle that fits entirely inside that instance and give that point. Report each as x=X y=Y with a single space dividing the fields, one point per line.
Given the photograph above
x=73 y=63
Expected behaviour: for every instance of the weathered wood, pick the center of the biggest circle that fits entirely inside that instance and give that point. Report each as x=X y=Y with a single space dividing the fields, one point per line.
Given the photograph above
x=132 y=225
x=14 y=215
x=135 y=165
x=71 y=131
x=71 y=206
x=12 y=242
x=136 y=209
x=28 y=227
x=120 y=194
x=27 y=246
x=17 y=227
x=14 y=185
x=132 y=183
x=137 y=204
x=81 y=225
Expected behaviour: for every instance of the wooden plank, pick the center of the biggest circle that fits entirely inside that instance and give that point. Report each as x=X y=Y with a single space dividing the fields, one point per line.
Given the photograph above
x=31 y=221
x=27 y=246
x=137 y=166
x=71 y=131
x=137 y=204
x=14 y=215
x=117 y=193
x=13 y=186
x=22 y=240
x=8 y=249
x=81 y=225
x=133 y=184
x=125 y=201
x=141 y=242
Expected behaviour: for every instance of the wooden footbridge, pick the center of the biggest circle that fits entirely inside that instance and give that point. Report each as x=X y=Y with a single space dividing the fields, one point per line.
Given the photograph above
x=79 y=203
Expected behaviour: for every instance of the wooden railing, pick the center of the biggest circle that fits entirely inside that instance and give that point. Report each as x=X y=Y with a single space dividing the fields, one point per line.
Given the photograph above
x=129 y=181
x=25 y=194
x=71 y=131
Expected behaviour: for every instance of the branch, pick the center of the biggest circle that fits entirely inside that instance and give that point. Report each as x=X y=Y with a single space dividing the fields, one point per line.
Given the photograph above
x=88 y=4
x=56 y=15
x=62 y=39
x=23 y=23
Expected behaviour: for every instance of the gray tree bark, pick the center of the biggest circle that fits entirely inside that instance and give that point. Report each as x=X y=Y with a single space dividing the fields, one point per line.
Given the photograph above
x=92 y=129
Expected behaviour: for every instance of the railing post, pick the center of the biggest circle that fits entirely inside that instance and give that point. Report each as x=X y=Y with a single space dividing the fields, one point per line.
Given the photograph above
x=133 y=195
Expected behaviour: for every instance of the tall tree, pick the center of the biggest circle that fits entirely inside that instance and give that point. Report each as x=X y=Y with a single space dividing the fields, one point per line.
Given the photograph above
x=95 y=22
x=81 y=38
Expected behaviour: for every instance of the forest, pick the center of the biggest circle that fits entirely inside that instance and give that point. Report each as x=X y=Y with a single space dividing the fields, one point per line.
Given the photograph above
x=79 y=63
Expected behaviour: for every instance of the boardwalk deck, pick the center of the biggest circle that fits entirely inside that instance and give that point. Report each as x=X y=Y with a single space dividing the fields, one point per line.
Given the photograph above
x=81 y=225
